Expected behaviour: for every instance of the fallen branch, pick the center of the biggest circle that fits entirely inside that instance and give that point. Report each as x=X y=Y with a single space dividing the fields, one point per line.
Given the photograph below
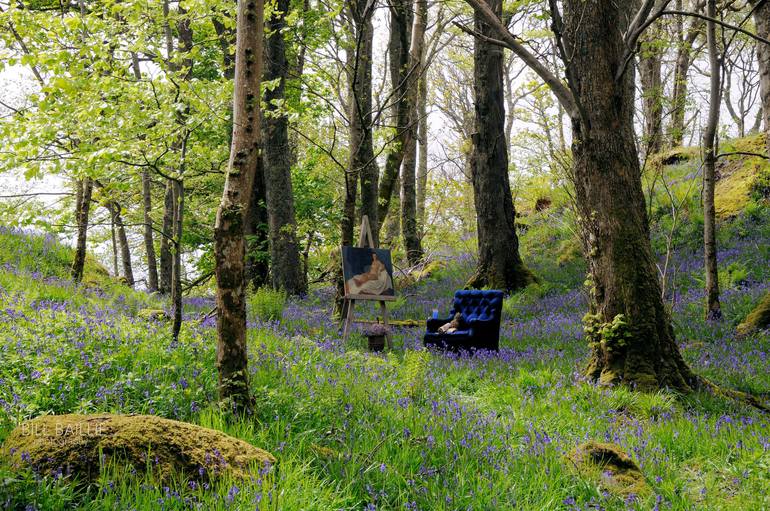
x=198 y=282
x=742 y=153
x=393 y=322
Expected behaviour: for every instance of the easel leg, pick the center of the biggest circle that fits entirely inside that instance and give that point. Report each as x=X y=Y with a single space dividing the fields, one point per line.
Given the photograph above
x=348 y=320
x=384 y=311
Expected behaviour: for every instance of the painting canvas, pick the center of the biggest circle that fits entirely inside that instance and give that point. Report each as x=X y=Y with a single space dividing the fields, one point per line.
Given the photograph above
x=368 y=273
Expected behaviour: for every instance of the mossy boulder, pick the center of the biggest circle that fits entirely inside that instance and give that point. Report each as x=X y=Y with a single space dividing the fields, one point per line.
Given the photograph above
x=733 y=190
x=758 y=319
x=420 y=273
x=80 y=444
x=153 y=314
x=674 y=156
x=613 y=469
x=741 y=175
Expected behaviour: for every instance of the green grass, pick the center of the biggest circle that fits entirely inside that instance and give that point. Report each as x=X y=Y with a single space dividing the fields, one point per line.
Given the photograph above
x=405 y=429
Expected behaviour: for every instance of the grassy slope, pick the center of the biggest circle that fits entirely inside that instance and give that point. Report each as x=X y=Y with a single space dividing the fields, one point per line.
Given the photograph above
x=405 y=430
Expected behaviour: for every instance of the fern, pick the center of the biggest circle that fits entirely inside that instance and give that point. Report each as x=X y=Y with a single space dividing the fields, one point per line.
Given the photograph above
x=415 y=372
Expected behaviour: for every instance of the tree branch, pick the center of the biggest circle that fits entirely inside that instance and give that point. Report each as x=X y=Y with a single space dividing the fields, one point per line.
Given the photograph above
x=718 y=22
x=508 y=40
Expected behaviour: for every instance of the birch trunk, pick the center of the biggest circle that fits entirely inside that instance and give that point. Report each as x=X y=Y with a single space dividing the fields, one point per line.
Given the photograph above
x=229 y=243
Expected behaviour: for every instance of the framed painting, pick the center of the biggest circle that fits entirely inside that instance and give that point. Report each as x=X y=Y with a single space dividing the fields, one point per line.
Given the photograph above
x=368 y=273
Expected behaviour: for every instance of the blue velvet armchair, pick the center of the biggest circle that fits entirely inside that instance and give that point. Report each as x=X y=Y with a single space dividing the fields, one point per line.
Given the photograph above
x=480 y=326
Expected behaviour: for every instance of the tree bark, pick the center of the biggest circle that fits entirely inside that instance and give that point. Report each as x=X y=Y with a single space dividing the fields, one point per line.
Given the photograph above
x=149 y=244
x=176 y=274
x=229 y=244
x=362 y=164
x=713 y=309
x=226 y=38
x=650 y=61
x=166 y=257
x=762 y=22
x=640 y=349
x=499 y=264
x=256 y=230
x=392 y=225
x=422 y=160
x=401 y=17
x=286 y=267
x=82 y=207
x=115 y=269
x=682 y=66
x=125 y=249
x=409 y=229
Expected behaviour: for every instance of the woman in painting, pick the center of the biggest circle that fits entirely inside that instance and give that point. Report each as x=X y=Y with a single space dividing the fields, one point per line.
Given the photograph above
x=374 y=281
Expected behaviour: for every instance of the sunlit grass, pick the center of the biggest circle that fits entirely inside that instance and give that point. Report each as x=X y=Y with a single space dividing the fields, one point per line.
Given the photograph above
x=406 y=429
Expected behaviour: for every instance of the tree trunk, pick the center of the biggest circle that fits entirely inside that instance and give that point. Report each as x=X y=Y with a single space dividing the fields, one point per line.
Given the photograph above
x=82 y=207
x=125 y=249
x=149 y=244
x=409 y=229
x=166 y=258
x=176 y=275
x=256 y=230
x=392 y=225
x=738 y=118
x=361 y=146
x=713 y=309
x=401 y=17
x=681 y=68
x=762 y=21
x=639 y=348
x=422 y=160
x=499 y=264
x=226 y=38
x=115 y=269
x=650 y=61
x=362 y=162
x=286 y=267
x=306 y=253
x=229 y=244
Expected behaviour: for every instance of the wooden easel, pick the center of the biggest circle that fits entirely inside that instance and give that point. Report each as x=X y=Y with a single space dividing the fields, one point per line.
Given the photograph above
x=364 y=238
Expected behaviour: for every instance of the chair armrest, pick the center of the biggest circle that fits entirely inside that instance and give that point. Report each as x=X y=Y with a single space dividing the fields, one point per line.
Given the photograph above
x=435 y=323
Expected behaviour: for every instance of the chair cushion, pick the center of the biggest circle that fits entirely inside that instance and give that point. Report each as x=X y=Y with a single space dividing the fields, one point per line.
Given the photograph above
x=478 y=304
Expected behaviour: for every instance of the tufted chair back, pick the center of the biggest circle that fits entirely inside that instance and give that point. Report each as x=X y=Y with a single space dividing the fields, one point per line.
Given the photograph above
x=479 y=304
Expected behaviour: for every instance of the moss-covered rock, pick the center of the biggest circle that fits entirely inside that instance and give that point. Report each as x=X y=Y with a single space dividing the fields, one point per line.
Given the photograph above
x=610 y=467
x=740 y=174
x=80 y=444
x=420 y=273
x=733 y=190
x=674 y=156
x=153 y=314
x=758 y=319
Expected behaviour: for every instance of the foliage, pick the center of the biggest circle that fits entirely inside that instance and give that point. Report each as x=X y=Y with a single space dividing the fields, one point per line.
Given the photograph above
x=611 y=335
x=415 y=371
x=267 y=304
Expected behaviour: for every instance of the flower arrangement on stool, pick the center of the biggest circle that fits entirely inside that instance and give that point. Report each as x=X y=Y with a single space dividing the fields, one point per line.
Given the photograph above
x=376 y=334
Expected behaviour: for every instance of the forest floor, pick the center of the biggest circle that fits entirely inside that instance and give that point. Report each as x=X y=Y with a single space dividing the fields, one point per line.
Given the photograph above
x=406 y=429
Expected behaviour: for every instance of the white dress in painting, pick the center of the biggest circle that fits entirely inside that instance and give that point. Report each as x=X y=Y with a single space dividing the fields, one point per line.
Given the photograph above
x=375 y=281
